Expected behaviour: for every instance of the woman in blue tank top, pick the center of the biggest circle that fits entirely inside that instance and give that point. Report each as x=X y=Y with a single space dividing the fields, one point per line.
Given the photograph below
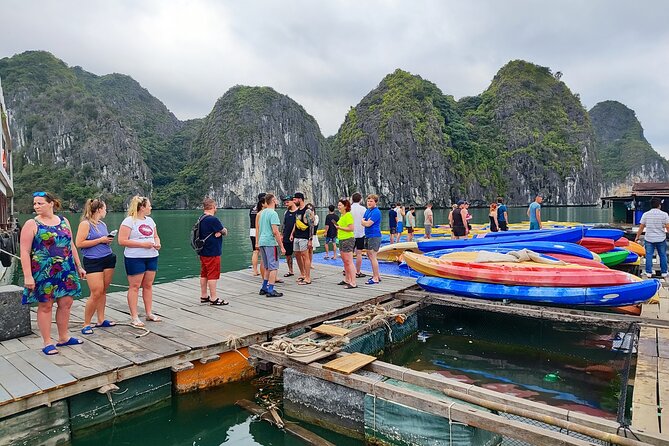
x=94 y=239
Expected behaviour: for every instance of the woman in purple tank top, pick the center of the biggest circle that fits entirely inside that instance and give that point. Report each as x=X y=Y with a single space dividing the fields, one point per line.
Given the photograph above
x=99 y=261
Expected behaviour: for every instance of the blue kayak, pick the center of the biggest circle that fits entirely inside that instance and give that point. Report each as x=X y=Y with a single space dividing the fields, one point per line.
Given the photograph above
x=606 y=296
x=610 y=233
x=564 y=235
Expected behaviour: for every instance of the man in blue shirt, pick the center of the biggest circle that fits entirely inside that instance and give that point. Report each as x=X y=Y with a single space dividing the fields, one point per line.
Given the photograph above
x=502 y=215
x=372 y=224
x=534 y=213
x=211 y=230
x=392 y=224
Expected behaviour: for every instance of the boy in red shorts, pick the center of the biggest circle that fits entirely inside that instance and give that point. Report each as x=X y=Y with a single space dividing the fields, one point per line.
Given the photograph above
x=211 y=230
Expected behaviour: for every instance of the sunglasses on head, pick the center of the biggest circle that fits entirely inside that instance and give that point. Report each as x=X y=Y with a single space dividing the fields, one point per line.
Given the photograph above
x=39 y=194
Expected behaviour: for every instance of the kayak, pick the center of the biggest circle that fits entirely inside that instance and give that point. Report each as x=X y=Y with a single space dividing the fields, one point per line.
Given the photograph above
x=563 y=235
x=524 y=273
x=579 y=261
x=606 y=296
x=548 y=248
x=393 y=253
x=636 y=248
x=622 y=242
x=597 y=245
x=614 y=257
x=610 y=233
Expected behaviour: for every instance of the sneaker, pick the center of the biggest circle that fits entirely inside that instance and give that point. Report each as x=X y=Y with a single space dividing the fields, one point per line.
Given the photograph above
x=262 y=292
x=664 y=275
x=273 y=294
x=649 y=275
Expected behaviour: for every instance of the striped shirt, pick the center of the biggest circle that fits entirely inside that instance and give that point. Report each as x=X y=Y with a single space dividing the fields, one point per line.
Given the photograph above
x=656 y=221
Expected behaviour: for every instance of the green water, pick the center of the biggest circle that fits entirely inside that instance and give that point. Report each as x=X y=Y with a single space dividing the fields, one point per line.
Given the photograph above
x=210 y=417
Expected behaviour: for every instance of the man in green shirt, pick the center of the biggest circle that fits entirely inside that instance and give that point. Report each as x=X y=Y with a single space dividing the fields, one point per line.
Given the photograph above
x=269 y=242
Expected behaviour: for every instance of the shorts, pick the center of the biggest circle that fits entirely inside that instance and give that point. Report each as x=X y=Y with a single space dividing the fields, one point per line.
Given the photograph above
x=373 y=243
x=534 y=226
x=360 y=243
x=409 y=229
x=300 y=244
x=288 y=246
x=393 y=229
x=210 y=267
x=459 y=231
x=503 y=226
x=253 y=243
x=270 y=257
x=330 y=240
x=140 y=265
x=99 y=265
x=347 y=245
x=428 y=230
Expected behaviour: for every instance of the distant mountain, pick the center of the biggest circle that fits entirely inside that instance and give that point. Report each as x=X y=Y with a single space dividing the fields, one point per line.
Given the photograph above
x=625 y=156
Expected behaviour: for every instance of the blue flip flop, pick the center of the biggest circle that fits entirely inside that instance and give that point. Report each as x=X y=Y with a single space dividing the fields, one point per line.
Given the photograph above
x=105 y=324
x=87 y=330
x=71 y=341
x=50 y=350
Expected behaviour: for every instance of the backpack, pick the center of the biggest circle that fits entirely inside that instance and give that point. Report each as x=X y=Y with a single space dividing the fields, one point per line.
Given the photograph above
x=195 y=241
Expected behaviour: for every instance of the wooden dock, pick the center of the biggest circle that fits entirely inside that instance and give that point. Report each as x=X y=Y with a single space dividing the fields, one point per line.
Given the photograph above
x=190 y=331
x=651 y=382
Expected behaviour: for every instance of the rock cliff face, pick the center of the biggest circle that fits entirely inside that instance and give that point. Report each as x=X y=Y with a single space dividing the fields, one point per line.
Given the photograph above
x=542 y=136
x=66 y=139
x=625 y=155
x=256 y=140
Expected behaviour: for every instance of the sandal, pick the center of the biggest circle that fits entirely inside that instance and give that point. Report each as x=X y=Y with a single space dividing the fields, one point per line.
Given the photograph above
x=278 y=281
x=300 y=279
x=343 y=282
x=204 y=300
x=50 y=350
x=349 y=286
x=153 y=318
x=359 y=275
x=87 y=330
x=371 y=282
x=105 y=324
x=218 y=302
x=71 y=341
x=288 y=275
x=137 y=323
x=304 y=282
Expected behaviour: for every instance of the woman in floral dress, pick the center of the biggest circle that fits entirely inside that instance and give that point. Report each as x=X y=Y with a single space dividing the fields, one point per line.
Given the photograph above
x=51 y=269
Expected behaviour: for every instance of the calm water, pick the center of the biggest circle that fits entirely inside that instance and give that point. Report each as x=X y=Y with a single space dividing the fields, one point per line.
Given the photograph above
x=210 y=418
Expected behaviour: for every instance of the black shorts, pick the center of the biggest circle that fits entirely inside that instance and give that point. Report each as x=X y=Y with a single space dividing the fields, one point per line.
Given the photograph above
x=99 y=265
x=503 y=226
x=459 y=231
x=393 y=229
x=410 y=230
x=253 y=243
x=288 y=246
x=360 y=243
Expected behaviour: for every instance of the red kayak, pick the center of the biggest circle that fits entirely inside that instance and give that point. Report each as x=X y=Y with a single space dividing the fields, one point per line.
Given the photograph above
x=622 y=242
x=525 y=273
x=579 y=261
x=597 y=245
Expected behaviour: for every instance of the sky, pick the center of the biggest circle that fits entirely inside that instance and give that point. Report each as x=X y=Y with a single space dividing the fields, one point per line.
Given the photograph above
x=328 y=54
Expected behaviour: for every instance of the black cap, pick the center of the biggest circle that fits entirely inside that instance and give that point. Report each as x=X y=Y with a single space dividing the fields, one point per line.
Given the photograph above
x=261 y=196
x=287 y=197
x=299 y=195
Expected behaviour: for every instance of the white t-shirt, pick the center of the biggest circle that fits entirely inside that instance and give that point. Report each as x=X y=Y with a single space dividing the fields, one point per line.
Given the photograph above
x=143 y=231
x=358 y=212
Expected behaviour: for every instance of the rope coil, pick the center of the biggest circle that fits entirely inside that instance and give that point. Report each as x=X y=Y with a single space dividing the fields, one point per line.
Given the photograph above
x=303 y=348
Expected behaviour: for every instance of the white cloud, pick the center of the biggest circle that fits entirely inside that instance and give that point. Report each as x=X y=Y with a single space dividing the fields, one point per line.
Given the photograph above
x=327 y=55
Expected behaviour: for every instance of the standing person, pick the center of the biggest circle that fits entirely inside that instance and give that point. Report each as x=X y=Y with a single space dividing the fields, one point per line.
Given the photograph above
x=288 y=224
x=253 y=216
x=534 y=213
x=51 y=270
x=410 y=222
x=139 y=235
x=454 y=206
x=458 y=221
x=331 y=232
x=492 y=216
x=358 y=212
x=99 y=261
x=315 y=243
x=392 y=225
x=302 y=238
x=502 y=215
x=269 y=242
x=211 y=231
x=656 y=223
x=467 y=216
x=345 y=231
x=428 y=218
x=372 y=223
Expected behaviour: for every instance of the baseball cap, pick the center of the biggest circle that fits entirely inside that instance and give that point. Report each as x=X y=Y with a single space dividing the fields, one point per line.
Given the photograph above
x=287 y=197
x=461 y=202
x=299 y=195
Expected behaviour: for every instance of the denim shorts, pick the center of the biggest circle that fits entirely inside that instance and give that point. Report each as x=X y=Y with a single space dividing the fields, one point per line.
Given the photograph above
x=140 y=265
x=331 y=240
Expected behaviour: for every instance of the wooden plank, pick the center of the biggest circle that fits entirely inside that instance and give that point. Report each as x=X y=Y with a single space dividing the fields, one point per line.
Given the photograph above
x=4 y=395
x=30 y=372
x=331 y=330
x=650 y=311
x=645 y=380
x=663 y=393
x=663 y=342
x=349 y=364
x=647 y=341
x=14 y=382
x=41 y=362
x=644 y=418
x=13 y=345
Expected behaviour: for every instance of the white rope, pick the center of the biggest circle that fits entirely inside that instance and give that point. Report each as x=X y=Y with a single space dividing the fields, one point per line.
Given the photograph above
x=303 y=348
x=233 y=342
x=451 y=423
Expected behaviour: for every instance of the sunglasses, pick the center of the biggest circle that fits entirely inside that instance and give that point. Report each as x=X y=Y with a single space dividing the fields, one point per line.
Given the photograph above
x=39 y=194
